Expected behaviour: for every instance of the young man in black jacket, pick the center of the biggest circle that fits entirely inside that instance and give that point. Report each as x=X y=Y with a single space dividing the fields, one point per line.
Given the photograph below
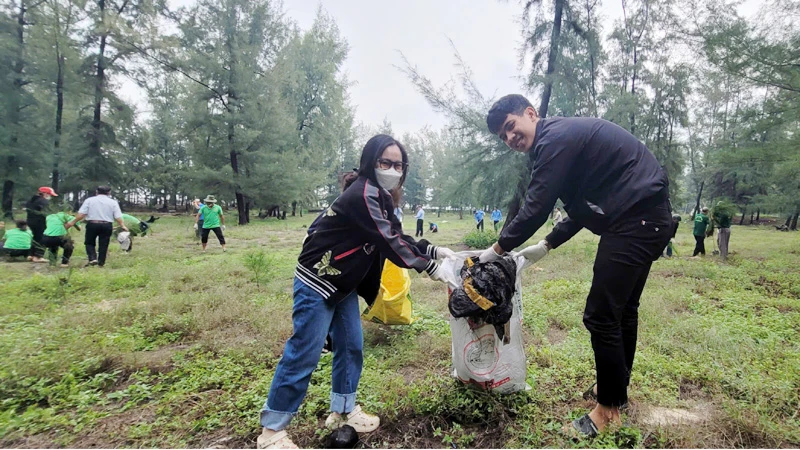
x=612 y=185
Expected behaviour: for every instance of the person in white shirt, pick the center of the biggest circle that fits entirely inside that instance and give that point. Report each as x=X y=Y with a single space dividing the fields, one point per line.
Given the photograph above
x=420 y=220
x=398 y=212
x=100 y=212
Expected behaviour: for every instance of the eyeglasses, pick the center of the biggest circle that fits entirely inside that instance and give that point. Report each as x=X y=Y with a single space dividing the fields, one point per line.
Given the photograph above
x=386 y=164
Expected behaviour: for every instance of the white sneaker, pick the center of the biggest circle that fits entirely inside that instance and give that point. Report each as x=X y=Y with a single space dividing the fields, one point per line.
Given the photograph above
x=277 y=440
x=357 y=418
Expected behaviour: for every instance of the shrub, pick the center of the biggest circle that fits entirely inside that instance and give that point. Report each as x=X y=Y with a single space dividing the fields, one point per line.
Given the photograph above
x=260 y=264
x=480 y=239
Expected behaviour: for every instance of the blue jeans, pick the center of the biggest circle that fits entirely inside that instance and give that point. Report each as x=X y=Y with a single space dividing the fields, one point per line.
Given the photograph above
x=312 y=320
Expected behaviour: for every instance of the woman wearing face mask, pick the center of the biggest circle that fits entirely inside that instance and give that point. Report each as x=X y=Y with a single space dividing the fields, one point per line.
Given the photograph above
x=342 y=258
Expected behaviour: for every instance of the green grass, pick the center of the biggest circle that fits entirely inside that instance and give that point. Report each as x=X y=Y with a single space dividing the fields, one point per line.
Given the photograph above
x=171 y=347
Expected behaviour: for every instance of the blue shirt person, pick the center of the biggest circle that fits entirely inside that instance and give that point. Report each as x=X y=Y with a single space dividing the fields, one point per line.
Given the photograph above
x=497 y=216
x=479 y=219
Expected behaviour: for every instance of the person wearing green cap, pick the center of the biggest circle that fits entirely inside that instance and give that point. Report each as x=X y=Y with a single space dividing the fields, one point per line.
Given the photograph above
x=213 y=220
x=56 y=235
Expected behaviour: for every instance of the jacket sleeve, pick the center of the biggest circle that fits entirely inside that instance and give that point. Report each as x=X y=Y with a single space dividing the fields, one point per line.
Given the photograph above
x=378 y=230
x=558 y=152
x=562 y=232
x=423 y=245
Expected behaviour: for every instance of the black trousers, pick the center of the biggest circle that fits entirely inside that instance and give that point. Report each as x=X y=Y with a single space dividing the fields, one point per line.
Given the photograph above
x=495 y=224
x=37 y=228
x=700 y=245
x=217 y=231
x=420 y=222
x=98 y=232
x=624 y=256
x=13 y=252
x=479 y=226
x=54 y=242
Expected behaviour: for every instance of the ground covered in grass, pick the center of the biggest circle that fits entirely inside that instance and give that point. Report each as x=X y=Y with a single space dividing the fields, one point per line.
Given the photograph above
x=172 y=347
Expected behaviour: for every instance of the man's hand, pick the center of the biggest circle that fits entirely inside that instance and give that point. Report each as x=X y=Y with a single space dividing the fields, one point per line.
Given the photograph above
x=195 y=225
x=223 y=227
x=445 y=253
x=68 y=225
x=491 y=254
x=124 y=228
x=535 y=252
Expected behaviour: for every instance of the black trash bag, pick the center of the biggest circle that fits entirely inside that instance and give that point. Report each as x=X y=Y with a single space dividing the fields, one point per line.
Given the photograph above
x=481 y=282
x=342 y=437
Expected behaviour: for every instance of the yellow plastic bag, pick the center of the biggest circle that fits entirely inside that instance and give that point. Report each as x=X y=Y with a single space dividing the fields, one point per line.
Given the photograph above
x=393 y=304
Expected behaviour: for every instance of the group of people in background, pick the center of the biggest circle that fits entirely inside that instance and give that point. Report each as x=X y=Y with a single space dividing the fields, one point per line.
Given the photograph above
x=704 y=225
x=497 y=217
x=48 y=231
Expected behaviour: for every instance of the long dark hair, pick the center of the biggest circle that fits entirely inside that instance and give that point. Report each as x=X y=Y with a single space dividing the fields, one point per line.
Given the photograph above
x=369 y=158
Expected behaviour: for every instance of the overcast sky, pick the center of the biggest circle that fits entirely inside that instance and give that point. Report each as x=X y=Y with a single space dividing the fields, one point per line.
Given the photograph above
x=486 y=33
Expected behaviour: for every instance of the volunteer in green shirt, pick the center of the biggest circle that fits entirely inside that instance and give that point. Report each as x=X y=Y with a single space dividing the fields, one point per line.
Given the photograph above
x=56 y=235
x=135 y=226
x=722 y=216
x=213 y=220
x=701 y=222
x=17 y=241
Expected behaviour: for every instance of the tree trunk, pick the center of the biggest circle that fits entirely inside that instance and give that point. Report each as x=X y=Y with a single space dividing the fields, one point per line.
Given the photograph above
x=14 y=120
x=439 y=212
x=633 y=92
x=793 y=226
x=59 y=114
x=552 y=58
x=461 y=213
x=294 y=207
x=233 y=106
x=95 y=142
x=788 y=220
x=741 y=221
x=8 y=200
x=697 y=202
x=758 y=215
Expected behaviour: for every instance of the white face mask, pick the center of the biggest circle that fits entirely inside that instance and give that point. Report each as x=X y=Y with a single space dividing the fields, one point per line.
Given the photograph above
x=388 y=178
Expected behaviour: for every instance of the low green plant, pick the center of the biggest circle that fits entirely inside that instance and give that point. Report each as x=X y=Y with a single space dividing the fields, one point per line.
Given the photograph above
x=260 y=264
x=480 y=239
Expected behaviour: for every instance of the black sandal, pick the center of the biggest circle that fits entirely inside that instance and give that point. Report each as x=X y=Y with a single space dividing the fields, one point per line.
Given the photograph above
x=590 y=395
x=585 y=426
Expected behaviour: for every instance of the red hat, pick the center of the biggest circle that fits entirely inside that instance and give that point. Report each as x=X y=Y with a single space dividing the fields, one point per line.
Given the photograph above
x=48 y=190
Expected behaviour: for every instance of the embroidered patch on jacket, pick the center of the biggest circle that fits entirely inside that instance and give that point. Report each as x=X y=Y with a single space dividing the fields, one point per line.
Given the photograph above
x=324 y=266
x=369 y=248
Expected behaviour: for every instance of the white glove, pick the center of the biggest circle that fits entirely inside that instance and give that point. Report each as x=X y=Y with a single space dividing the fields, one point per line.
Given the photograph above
x=436 y=275
x=223 y=228
x=195 y=225
x=445 y=253
x=535 y=252
x=489 y=255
